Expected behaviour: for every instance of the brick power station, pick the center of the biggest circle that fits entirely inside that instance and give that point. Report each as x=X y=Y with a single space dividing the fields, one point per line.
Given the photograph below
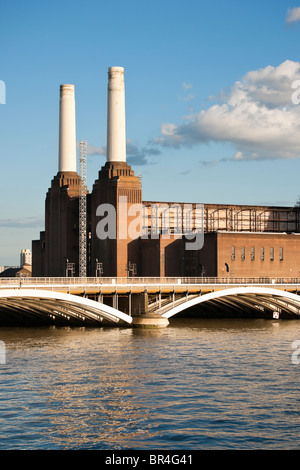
x=237 y=240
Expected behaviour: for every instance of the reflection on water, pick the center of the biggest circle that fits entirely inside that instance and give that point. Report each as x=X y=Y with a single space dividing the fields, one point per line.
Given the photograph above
x=198 y=384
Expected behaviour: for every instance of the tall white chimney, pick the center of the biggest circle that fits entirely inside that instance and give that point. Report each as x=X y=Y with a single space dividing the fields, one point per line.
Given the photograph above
x=67 y=129
x=116 y=133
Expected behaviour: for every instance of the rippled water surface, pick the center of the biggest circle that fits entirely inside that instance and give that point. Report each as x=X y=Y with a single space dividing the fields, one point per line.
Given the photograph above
x=198 y=384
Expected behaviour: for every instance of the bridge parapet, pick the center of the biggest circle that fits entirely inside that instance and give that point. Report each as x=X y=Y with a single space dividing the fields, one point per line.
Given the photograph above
x=115 y=281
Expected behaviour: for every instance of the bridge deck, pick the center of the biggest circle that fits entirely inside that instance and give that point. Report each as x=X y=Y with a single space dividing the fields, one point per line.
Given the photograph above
x=141 y=285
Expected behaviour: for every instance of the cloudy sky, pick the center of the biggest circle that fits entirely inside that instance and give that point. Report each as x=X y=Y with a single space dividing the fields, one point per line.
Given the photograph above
x=212 y=100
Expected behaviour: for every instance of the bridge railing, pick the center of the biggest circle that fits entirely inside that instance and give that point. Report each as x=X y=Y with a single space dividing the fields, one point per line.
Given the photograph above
x=84 y=281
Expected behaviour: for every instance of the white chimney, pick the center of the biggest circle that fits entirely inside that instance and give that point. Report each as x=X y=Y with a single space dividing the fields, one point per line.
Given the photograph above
x=67 y=129
x=116 y=133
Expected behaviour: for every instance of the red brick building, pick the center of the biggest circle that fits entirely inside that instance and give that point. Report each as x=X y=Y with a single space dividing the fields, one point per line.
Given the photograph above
x=238 y=254
x=239 y=241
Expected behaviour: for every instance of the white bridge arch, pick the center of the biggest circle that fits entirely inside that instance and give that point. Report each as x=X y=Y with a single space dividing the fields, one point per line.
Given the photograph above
x=257 y=298
x=46 y=304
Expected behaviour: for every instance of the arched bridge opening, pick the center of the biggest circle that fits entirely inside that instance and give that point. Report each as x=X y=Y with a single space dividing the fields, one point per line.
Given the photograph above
x=239 y=302
x=43 y=307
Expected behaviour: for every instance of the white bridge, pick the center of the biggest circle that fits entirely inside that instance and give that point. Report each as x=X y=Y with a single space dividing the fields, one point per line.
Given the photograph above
x=141 y=301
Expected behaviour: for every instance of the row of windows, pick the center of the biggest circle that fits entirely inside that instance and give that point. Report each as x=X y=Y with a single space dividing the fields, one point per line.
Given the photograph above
x=263 y=253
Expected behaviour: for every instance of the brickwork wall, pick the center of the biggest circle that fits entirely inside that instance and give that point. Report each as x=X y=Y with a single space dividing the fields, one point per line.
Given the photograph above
x=61 y=224
x=115 y=180
x=259 y=255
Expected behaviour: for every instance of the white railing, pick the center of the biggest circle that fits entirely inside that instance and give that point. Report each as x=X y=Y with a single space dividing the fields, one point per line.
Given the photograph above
x=97 y=281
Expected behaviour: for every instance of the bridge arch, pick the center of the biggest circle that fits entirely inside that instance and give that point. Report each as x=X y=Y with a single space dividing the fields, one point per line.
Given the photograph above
x=49 y=305
x=241 y=297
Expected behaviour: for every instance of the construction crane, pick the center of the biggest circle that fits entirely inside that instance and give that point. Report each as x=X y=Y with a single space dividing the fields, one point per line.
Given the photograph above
x=82 y=208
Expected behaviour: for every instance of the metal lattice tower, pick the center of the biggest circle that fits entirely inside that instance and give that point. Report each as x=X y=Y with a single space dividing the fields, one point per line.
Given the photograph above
x=82 y=209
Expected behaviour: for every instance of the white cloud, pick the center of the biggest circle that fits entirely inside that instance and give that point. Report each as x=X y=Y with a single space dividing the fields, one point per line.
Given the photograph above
x=139 y=156
x=256 y=116
x=95 y=150
x=22 y=222
x=189 y=97
x=293 y=15
x=135 y=154
x=238 y=155
x=272 y=85
x=187 y=86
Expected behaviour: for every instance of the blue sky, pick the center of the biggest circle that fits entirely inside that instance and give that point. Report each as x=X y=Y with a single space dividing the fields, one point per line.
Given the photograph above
x=209 y=116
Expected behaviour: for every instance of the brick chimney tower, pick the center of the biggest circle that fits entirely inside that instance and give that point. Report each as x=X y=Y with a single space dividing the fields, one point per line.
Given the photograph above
x=116 y=186
x=61 y=211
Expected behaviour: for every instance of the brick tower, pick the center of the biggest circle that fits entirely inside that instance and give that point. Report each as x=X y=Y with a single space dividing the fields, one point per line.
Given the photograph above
x=56 y=253
x=115 y=193
x=61 y=214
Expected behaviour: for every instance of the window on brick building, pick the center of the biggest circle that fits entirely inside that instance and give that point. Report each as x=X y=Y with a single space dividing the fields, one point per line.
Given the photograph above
x=243 y=253
x=262 y=253
x=233 y=253
x=281 y=254
x=252 y=252
x=272 y=254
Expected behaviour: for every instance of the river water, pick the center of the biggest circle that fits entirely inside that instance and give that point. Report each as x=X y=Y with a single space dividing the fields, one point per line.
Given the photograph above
x=197 y=385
